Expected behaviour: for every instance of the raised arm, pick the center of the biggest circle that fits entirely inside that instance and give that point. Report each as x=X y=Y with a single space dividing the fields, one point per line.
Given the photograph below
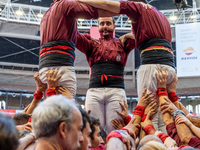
x=37 y=96
x=103 y=4
x=183 y=131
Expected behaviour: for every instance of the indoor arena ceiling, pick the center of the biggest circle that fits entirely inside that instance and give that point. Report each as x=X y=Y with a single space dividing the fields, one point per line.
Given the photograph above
x=160 y=4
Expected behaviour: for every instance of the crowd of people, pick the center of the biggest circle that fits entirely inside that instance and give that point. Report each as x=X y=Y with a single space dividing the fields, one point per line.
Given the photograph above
x=54 y=121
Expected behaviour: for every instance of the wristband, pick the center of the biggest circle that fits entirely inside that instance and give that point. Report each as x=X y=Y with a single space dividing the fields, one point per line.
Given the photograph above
x=38 y=95
x=162 y=136
x=125 y=130
x=148 y=129
x=144 y=117
x=173 y=97
x=177 y=112
x=161 y=92
x=50 y=92
x=114 y=134
x=127 y=119
x=30 y=119
x=139 y=110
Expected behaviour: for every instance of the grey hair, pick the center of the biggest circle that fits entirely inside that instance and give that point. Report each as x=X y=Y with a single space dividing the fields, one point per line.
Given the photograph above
x=153 y=145
x=48 y=115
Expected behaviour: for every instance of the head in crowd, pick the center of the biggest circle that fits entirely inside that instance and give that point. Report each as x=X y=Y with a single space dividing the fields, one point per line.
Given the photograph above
x=95 y=136
x=8 y=133
x=153 y=145
x=21 y=118
x=103 y=135
x=148 y=138
x=86 y=130
x=106 y=27
x=58 y=119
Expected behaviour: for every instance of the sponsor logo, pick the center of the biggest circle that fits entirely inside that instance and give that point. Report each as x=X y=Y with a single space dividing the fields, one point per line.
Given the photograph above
x=188 y=58
x=188 y=51
x=118 y=58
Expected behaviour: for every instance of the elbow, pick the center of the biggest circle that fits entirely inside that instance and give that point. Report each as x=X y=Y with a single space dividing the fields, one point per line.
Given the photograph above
x=185 y=139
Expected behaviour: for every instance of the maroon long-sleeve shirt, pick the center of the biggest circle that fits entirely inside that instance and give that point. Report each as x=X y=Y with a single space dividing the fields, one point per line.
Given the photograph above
x=58 y=30
x=107 y=60
x=172 y=132
x=109 y=50
x=146 y=23
x=59 y=22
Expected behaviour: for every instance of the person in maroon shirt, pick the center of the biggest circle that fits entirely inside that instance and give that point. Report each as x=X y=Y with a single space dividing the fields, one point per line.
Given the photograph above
x=58 y=30
x=153 y=39
x=107 y=61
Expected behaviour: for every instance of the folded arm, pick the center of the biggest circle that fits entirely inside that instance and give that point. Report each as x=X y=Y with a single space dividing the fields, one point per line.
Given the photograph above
x=103 y=4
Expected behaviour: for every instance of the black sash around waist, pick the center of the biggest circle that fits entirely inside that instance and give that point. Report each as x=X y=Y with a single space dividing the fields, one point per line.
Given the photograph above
x=156 y=56
x=107 y=74
x=57 y=53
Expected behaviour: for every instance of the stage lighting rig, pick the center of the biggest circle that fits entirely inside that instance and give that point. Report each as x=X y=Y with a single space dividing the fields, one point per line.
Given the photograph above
x=180 y=4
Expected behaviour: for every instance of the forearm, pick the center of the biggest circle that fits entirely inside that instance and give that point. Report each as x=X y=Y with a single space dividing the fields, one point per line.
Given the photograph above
x=25 y=141
x=105 y=13
x=180 y=106
x=32 y=106
x=137 y=119
x=195 y=130
x=25 y=110
x=167 y=117
x=184 y=133
x=195 y=120
x=103 y=4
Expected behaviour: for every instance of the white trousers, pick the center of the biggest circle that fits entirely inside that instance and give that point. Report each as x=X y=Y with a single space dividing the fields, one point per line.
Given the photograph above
x=68 y=78
x=146 y=78
x=104 y=103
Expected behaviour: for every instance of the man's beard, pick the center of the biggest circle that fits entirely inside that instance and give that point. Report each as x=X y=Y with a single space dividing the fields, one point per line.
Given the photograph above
x=109 y=33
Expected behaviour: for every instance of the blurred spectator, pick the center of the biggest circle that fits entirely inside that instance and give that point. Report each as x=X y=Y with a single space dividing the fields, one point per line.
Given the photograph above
x=8 y=133
x=21 y=118
x=22 y=107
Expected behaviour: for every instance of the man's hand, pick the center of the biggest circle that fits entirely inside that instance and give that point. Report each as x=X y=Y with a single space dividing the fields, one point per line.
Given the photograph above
x=125 y=37
x=40 y=86
x=64 y=91
x=118 y=123
x=26 y=126
x=172 y=86
x=162 y=78
x=124 y=112
x=167 y=106
x=182 y=119
x=144 y=100
x=133 y=128
x=153 y=107
x=52 y=80
x=147 y=121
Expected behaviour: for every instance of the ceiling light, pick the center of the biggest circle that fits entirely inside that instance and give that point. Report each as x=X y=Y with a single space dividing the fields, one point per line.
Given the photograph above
x=40 y=15
x=81 y=19
x=173 y=18
x=193 y=16
x=19 y=13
